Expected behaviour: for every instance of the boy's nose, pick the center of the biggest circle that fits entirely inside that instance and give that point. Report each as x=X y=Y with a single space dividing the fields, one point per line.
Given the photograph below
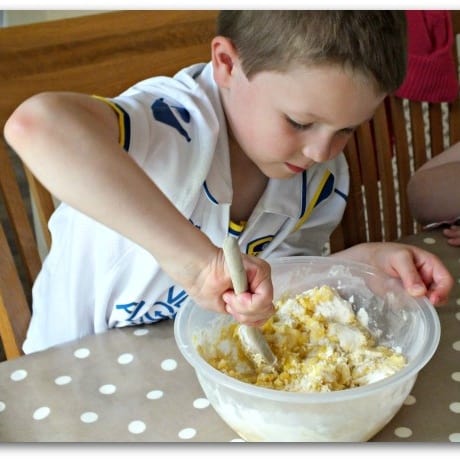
x=318 y=150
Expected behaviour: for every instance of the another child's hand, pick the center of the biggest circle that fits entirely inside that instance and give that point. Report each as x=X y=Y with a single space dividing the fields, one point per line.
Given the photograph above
x=421 y=272
x=452 y=234
x=213 y=290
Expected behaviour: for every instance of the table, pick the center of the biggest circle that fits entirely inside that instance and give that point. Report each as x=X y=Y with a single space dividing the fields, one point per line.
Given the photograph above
x=133 y=385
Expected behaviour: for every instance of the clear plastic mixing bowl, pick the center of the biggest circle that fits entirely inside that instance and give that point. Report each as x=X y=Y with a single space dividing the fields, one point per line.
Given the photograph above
x=260 y=414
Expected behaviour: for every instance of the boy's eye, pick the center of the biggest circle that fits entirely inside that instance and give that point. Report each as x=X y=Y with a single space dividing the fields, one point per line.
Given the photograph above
x=347 y=131
x=298 y=126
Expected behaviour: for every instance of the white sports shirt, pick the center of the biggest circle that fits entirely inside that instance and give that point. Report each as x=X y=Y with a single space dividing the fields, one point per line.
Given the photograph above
x=94 y=279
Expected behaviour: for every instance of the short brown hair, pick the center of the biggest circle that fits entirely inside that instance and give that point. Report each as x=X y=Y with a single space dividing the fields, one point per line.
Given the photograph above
x=370 y=42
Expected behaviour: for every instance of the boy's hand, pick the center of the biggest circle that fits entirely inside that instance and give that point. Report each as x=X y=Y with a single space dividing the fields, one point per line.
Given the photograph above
x=213 y=290
x=421 y=272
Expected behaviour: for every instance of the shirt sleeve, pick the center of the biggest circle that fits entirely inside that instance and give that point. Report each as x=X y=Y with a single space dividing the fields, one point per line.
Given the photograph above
x=170 y=129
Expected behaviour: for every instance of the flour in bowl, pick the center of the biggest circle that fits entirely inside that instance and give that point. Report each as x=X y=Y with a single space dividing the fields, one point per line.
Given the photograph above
x=321 y=345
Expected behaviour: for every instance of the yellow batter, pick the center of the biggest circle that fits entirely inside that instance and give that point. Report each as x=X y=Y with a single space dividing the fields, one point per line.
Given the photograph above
x=320 y=343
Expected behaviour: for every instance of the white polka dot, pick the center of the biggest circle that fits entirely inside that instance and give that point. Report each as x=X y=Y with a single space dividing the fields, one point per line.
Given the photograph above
x=169 y=364
x=89 y=417
x=456 y=376
x=18 y=375
x=403 y=432
x=2 y=406
x=107 y=389
x=136 y=427
x=429 y=240
x=154 y=394
x=237 y=440
x=140 y=332
x=456 y=346
x=187 y=433
x=455 y=407
x=125 y=358
x=41 y=413
x=457 y=315
x=454 y=437
x=410 y=400
x=81 y=353
x=200 y=403
x=62 y=380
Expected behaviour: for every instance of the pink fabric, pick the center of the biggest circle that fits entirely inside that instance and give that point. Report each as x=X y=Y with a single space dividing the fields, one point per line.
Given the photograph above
x=431 y=72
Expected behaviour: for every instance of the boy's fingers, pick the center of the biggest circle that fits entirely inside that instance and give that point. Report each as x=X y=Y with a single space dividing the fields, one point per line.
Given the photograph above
x=412 y=281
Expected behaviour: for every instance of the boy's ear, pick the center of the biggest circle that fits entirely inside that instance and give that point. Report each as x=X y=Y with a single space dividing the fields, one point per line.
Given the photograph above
x=224 y=58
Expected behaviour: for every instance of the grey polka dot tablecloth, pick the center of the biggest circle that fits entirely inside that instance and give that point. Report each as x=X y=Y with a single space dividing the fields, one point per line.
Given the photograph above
x=128 y=384
x=133 y=385
x=431 y=413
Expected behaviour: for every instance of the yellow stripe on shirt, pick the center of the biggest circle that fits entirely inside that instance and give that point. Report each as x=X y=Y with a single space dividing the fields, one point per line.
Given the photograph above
x=236 y=229
x=123 y=122
x=313 y=202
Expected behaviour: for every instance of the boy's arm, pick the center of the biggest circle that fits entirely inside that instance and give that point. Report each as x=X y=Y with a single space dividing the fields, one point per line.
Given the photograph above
x=70 y=143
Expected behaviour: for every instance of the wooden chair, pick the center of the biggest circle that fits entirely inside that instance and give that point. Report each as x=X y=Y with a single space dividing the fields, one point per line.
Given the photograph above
x=382 y=156
x=19 y=261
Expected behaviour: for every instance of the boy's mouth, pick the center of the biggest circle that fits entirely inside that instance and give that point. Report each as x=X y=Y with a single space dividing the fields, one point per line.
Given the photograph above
x=294 y=169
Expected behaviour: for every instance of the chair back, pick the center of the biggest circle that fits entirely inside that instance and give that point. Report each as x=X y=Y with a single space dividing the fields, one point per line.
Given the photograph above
x=19 y=258
x=383 y=154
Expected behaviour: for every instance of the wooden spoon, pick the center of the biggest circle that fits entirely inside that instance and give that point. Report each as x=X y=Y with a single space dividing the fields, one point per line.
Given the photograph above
x=251 y=338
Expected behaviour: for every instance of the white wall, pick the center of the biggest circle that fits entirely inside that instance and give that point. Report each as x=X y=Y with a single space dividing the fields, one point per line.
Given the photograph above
x=17 y=17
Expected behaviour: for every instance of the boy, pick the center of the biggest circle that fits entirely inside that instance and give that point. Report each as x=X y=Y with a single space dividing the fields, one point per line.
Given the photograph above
x=250 y=143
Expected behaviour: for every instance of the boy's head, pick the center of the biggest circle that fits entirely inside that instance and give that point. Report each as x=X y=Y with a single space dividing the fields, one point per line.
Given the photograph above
x=372 y=43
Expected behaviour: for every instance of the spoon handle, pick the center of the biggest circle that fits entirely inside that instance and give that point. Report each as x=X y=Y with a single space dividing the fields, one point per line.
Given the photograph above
x=234 y=261
x=251 y=338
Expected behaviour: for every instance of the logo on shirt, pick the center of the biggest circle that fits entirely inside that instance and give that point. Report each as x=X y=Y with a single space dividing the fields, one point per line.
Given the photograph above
x=164 y=113
x=143 y=313
x=257 y=246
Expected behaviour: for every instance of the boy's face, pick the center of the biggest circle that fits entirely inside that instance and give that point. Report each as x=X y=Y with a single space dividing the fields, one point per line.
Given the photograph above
x=286 y=122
